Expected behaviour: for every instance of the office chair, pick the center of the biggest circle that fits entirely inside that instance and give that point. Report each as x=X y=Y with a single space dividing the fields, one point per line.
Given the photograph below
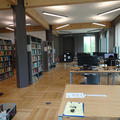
x=93 y=79
x=111 y=61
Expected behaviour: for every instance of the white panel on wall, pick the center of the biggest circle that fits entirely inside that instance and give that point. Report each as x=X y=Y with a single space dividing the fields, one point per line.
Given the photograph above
x=38 y=34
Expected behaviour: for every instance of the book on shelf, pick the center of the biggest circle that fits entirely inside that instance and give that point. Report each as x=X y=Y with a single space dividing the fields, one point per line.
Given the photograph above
x=74 y=109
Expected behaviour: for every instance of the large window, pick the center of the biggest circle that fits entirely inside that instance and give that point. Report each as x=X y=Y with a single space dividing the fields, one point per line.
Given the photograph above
x=89 y=44
x=117 y=39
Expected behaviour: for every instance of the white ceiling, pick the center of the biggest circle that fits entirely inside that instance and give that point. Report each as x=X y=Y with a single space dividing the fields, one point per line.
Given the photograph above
x=6 y=18
x=79 y=13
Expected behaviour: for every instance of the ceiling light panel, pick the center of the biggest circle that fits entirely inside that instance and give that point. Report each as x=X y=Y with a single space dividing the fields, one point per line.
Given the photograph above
x=108 y=12
x=10 y=28
x=99 y=24
x=54 y=15
x=99 y=18
x=58 y=8
x=107 y=4
x=62 y=26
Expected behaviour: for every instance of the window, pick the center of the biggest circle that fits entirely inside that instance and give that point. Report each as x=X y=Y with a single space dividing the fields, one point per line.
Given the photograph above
x=89 y=44
x=117 y=39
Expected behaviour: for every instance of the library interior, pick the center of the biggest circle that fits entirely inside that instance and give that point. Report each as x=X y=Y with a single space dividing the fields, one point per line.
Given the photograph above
x=59 y=59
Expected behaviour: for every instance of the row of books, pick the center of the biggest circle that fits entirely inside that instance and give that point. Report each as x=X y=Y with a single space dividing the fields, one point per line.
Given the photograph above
x=2 y=53
x=35 y=51
x=6 y=75
x=36 y=58
x=36 y=64
x=40 y=58
x=6 y=69
x=5 y=47
x=6 y=42
x=4 y=58
x=5 y=64
x=36 y=46
x=36 y=70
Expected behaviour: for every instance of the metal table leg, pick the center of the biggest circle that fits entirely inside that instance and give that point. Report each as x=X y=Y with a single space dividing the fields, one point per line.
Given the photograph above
x=113 y=78
x=71 y=77
x=60 y=117
x=99 y=77
x=108 y=80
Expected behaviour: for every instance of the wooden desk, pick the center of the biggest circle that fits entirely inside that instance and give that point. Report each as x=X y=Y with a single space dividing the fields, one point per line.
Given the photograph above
x=95 y=106
x=100 y=70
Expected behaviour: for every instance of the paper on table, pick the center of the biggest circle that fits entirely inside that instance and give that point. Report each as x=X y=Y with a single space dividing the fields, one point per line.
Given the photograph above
x=75 y=95
x=82 y=95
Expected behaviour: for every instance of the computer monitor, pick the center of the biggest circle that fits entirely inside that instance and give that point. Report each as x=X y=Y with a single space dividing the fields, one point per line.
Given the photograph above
x=99 y=54
x=87 y=60
x=107 y=55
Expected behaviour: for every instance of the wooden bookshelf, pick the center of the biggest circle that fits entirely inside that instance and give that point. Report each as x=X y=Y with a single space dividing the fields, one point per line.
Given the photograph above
x=34 y=58
x=6 y=66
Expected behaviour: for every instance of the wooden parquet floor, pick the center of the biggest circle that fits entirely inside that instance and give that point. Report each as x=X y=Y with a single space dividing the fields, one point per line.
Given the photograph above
x=31 y=101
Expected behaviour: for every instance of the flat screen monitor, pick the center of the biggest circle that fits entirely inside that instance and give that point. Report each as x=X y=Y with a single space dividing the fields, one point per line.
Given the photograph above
x=99 y=54
x=108 y=54
x=87 y=60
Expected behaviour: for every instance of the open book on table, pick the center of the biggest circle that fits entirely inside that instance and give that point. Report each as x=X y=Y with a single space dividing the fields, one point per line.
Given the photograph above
x=74 y=109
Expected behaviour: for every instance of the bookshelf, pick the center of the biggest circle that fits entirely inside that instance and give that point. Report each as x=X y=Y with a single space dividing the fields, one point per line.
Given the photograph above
x=6 y=66
x=34 y=46
x=47 y=56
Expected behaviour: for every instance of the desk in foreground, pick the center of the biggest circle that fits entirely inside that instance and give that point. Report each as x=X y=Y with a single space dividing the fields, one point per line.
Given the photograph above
x=94 y=106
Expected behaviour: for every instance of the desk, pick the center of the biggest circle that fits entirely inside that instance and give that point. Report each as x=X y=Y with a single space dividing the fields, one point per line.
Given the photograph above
x=100 y=70
x=94 y=106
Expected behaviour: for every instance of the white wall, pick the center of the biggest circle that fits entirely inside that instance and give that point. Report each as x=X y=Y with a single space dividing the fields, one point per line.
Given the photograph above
x=9 y=36
x=38 y=34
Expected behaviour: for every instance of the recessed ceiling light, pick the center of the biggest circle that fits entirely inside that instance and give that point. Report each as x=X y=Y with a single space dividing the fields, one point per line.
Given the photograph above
x=9 y=28
x=62 y=26
x=108 y=12
x=54 y=15
x=99 y=24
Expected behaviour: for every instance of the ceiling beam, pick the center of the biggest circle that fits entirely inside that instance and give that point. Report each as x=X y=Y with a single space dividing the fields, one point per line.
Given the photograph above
x=4 y=4
x=40 y=3
x=82 y=26
x=35 y=28
x=55 y=33
x=12 y=2
x=36 y=17
x=29 y=29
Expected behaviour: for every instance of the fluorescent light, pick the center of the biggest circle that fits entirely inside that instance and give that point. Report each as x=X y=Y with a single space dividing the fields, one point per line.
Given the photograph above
x=9 y=28
x=58 y=8
x=12 y=25
x=54 y=15
x=28 y=24
x=99 y=24
x=62 y=26
x=110 y=11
